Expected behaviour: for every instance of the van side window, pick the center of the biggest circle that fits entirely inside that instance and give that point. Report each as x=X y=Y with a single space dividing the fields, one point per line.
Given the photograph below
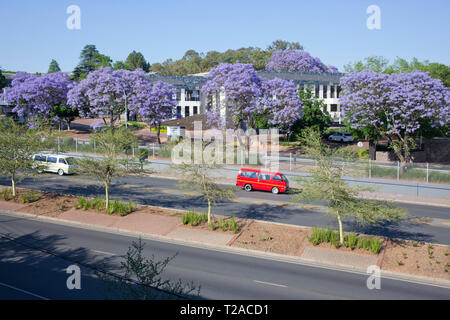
x=40 y=158
x=248 y=174
x=51 y=159
x=277 y=177
x=61 y=160
x=263 y=176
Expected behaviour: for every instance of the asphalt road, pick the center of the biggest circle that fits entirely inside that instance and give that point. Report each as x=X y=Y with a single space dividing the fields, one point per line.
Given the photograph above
x=426 y=223
x=34 y=256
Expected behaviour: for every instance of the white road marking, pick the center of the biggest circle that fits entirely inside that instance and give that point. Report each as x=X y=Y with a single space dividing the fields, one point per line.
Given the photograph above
x=103 y=252
x=271 y=284
x=23 y=291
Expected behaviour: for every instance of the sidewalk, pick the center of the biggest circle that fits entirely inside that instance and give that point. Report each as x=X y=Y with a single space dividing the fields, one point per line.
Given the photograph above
x=171 y=229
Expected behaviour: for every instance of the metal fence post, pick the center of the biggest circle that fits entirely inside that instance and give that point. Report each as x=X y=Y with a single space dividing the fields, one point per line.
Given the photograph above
x=133 y=150
x=398 y=170
x=94 y=146
x=428 y=168
x=76 y=145
x=290 y=161
x=153 y=148
x=370 y=169
x=58 y=144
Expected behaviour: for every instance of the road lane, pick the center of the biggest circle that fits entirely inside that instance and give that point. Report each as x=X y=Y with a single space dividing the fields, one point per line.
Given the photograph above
x=250 y=205
x=221 y=275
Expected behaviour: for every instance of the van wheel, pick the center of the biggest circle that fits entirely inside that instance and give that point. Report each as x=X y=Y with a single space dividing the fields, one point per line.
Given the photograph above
x=248 y=187
x=275 y=190
x=61 y=172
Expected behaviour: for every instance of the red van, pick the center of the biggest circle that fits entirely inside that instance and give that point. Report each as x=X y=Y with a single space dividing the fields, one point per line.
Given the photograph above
x=250 y=179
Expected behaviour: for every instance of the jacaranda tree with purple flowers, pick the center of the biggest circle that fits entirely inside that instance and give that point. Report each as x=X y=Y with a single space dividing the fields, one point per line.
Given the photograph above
x=396 y=106
x=292 y=60
x=104 y=93
x=37 y=97
x=153 y=103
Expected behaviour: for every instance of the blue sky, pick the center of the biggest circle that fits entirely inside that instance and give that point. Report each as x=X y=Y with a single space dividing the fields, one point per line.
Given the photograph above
x=34 y=32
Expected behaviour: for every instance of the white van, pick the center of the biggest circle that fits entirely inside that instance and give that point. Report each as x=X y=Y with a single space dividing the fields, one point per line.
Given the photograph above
x=59 y=164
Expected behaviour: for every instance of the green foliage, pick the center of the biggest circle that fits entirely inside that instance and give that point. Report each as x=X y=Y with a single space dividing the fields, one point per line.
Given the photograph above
x=6 y=194
x=313 y=116
x=29 y=196
x=136 y=60
x=54 y=67
x=326 y=184
x=121 y=208
x=363 y=154
x=193 y=218
x=409 y=174
x=90 y=60
x=352 y=241
x=2 y=80
x=381 y=65
x=18 y=144
x=139 y=278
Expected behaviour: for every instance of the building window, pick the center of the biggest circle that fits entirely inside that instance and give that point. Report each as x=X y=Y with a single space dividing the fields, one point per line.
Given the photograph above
x=178 y=115
x=192 y=95
x=317 y=90
x=186 y=111
x=325 y=89
x=195 y=111
x=338 y=91
x=177 y=94
x=334 y=108
x=332 y=92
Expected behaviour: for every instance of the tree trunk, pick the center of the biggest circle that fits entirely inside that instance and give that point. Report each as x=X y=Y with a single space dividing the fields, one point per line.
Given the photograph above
x=106 y=196
x=372 y=150
x=68 y=125
x=209 y=211
x=13 y=184
x=341 y=230
x=158 y=133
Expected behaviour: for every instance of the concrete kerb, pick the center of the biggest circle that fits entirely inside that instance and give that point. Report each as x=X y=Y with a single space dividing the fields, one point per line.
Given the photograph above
x=234 y=250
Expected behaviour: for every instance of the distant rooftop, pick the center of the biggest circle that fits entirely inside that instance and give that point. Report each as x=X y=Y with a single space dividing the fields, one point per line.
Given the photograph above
x=189 y=82
x=301 y=77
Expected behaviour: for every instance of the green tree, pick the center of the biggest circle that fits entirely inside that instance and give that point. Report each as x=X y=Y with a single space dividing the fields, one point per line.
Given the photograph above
x=326 y=184
x=53 y=67
x=111 y=143
x=376 y=63
x=18 y=144
x=139 y=278
x=64 y=113
x=198 y=177
x=119 y=65
x=2 y=80
x=284 y=45
x=136 y=60
x=90 y=60
x=313 y=115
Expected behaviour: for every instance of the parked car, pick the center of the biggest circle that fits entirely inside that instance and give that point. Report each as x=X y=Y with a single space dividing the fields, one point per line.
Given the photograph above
x=250 y=179
x=341 y=137
x=59 y=164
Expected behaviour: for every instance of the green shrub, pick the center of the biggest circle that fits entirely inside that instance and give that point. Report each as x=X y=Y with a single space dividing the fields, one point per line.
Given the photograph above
x=363 y=154
x=315 y=238
x=121 y=208
x=234 y=225
x=375 y=245
x=352 y=238
x=6 y=194
x=194 y=219
x=29 y=196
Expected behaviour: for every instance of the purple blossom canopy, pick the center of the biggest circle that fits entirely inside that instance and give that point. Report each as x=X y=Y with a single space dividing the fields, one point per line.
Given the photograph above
x=292 y=60
x=34 y=95
x=237 y=89
x=393 y=104
x=281 y=102
x=104 y=92
x=154 y=103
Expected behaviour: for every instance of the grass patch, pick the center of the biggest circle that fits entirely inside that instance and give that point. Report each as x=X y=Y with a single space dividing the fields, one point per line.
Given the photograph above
x=193 y=218
x=409 y=174
x=351 y=241
x=115 y=206
x=7 y=195
x=29 y=196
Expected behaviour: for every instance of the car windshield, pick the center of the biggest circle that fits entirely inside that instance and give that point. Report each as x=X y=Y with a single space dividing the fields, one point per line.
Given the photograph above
x=284 y=178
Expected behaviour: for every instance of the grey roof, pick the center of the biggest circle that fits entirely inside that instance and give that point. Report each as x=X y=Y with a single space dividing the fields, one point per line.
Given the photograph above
x=302 y=77
x=188 y=82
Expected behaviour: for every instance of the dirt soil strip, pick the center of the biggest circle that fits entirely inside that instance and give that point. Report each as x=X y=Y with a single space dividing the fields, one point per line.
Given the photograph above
x=249 y=222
